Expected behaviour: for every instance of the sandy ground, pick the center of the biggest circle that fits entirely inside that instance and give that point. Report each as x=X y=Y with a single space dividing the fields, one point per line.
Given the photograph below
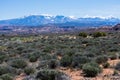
x=20 y=77
x=113 y=62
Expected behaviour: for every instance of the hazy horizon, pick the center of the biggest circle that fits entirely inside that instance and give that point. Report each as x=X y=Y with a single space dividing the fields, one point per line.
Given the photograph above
x=78 y=8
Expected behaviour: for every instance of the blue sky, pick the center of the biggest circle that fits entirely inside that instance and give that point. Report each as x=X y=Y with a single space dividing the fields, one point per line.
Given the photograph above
x=79 y=8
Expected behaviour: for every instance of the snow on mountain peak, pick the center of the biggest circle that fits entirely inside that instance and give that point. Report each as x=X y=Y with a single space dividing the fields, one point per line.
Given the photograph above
x=47 y=15
x=72 y=17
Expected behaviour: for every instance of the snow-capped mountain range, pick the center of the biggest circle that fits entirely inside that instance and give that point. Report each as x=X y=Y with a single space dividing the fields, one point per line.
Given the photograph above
x=38 y=20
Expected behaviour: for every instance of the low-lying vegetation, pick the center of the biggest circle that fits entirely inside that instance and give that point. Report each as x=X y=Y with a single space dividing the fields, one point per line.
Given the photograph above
x=40 y=57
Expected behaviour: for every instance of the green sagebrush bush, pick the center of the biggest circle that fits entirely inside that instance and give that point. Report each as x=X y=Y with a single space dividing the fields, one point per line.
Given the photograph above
x=53 y=63
x=66 y=61
x=7 y=69
x=3 y=57
x=113 y=56
x=29 y=70
x=99 y=34
x=78 y=60
x=33 y=58
x=101 y=59
x=18 y=63
x=91 y=69
x=47 y=74
x=83 y=34
x=6 y=77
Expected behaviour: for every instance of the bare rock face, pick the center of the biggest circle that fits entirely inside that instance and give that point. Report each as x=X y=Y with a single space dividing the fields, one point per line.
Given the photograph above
x=116 y=27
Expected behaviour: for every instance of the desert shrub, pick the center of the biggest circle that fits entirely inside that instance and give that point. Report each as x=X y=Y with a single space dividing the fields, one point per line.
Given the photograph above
x=19 y=71
x=6 y=77
x=43 y=64
x=47 y=74
x=2 y=58
x=70 y=52
x=91 y=55
x=83 y=34
x=7 y=69
x=66 y=61
x=50 y=74
x=101 y=59
x=18 y=63
x=19 y=49
x=113 y=48
x=29 y=70
x=3 y=70
x=47 y=49
x=91 y=69
x=106 y=65
x=78 y=60
x=47 y=57
x=117 y=67
x=53 y=64
x=37 y=54
x=34 y=55
x=33 y=58
x=11 y=70
x=99 y=34
x=59 y=53
x=29 y=50
x=112 y=56
x=84 y=41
